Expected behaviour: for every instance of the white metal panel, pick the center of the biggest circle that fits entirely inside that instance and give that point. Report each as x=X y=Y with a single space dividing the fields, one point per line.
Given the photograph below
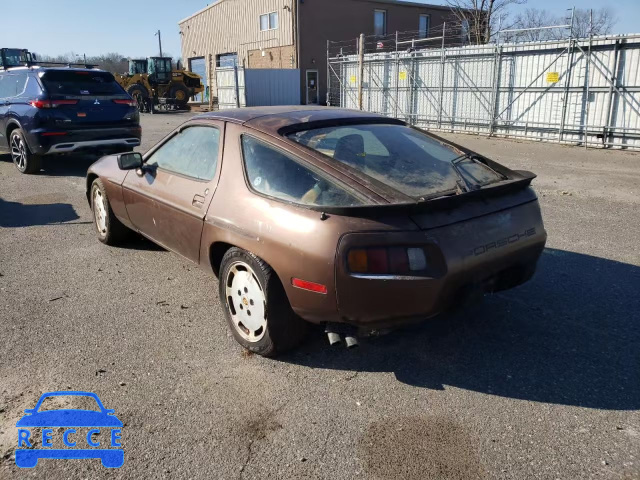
x=528 y=100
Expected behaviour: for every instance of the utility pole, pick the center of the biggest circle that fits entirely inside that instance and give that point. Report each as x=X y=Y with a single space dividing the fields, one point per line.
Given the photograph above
x=159 y=41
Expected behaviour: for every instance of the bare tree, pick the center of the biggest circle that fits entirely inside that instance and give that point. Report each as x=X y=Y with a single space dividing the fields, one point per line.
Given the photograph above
x=479 y=17
x=535 y=18
x=603 y=22
x=112 y=62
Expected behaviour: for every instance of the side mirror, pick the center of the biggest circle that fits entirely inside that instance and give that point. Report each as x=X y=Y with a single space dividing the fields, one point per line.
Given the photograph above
x=129 y=161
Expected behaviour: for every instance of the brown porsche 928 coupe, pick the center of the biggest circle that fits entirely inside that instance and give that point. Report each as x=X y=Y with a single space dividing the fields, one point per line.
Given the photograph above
x=312 y=214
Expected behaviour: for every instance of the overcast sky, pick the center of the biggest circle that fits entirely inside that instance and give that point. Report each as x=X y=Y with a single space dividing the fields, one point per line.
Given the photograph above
x=128 y=26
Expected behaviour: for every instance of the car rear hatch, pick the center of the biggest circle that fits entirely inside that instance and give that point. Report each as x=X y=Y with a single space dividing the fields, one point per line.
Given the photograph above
x=87 y=99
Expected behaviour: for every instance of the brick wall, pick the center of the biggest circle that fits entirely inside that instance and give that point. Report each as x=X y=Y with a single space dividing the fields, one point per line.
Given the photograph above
x=275 y=57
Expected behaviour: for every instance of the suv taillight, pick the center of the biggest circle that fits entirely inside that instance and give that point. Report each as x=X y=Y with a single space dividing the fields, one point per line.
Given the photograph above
x=51 y=103
x=130 y=102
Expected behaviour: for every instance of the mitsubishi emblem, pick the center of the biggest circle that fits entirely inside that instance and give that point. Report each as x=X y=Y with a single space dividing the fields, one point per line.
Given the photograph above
x=96 y=102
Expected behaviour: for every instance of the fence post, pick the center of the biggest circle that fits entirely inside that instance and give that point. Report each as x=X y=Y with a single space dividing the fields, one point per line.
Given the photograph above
x=613 y=81
x=211 y=73
x=567 y=82
x=395 y=110
x=497 y=67
x=236 y=83
x=442 y=61
x=328 y=78
x=360 y=68
x=587 y=73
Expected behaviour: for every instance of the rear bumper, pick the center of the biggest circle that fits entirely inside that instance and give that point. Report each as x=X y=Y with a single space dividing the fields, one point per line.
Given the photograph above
x=68 y=147
x=486 y=254
x=47 y=142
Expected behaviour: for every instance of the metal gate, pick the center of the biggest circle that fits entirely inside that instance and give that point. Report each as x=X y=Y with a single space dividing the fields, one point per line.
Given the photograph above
x=230 y=86
x=583 y=91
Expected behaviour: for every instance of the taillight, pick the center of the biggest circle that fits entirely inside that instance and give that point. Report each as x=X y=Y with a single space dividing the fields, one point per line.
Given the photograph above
x=51 y=103
x=387 y=260
x=130 y=102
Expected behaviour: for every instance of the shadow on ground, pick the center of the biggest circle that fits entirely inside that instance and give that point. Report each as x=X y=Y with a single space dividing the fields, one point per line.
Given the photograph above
x=16 y=214
x=570 y=336
x=62 y=165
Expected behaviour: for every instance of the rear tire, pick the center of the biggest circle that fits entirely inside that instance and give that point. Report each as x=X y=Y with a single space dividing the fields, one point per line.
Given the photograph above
x=247 y=284
x=181 y=94
x=140 y=94
x=109 y=229
x=23 y=159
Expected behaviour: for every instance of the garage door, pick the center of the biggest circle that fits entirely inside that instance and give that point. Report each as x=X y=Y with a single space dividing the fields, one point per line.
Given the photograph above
x=198 y=65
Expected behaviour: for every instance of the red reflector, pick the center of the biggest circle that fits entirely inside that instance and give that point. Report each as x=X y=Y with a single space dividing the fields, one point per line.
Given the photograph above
x=377 y=259
x=305 y=285
x=53 y=134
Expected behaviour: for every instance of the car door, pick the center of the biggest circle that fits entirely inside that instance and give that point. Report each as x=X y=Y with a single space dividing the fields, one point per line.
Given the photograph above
x=168 y=198
x=4 y=108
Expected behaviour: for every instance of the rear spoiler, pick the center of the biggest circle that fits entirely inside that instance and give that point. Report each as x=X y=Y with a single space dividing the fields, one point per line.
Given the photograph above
x=520 y=180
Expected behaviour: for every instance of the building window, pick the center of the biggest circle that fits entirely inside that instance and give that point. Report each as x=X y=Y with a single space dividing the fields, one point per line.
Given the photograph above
x=269 y=21
x=380 y=22
x=423 y=26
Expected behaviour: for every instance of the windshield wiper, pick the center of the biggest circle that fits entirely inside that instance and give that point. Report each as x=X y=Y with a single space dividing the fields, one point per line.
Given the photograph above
x=463 y=181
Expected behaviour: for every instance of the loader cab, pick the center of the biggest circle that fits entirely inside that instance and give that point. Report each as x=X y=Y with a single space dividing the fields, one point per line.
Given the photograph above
x=138 y=66
x=15 y=57
x=159 y=69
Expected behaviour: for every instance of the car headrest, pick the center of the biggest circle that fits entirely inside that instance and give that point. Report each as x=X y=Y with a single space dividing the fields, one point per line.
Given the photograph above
x=350 y=150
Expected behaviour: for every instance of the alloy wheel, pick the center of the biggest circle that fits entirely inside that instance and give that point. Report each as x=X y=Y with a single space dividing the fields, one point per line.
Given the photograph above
x=246 y=302
x=100 y=211
x=19 y=152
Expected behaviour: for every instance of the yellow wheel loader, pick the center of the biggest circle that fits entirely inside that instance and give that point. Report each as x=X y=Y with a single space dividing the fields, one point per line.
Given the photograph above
x=152 y=82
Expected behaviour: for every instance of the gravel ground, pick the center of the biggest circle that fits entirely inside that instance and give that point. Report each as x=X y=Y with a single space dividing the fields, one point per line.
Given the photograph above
x=539 y=382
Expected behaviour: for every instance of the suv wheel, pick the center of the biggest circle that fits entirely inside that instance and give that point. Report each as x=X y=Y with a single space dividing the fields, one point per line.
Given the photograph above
x=110 y=230
x=256 y=306
x=24 y=160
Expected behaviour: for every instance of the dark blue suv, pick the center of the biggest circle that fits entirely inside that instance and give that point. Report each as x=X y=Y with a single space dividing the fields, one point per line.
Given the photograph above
x=47 y=111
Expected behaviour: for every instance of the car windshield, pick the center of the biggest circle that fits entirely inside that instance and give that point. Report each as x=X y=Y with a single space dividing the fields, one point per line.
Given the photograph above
x=76 y=402
x=399 y=157
x=80 y=82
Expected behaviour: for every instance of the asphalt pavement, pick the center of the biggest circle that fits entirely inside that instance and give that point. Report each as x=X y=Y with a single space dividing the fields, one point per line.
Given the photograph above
x=542 y=381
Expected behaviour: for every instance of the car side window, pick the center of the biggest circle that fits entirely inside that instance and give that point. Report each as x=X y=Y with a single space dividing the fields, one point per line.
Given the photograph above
x=9 y=86
x=192 y=152
x=277 y=174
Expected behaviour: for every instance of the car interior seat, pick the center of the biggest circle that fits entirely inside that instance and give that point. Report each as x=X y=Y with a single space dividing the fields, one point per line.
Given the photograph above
x=350 y=150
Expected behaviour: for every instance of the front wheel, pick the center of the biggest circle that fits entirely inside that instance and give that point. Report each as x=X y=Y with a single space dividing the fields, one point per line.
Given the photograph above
x=110 y=230
x=256 y=306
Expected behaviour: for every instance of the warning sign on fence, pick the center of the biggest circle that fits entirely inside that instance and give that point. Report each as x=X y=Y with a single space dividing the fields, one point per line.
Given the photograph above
x=552 y=77
x=352 y=79
x=403 y=75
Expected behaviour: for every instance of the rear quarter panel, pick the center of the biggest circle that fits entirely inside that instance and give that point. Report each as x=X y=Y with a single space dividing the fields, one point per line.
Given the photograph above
x=293 y=240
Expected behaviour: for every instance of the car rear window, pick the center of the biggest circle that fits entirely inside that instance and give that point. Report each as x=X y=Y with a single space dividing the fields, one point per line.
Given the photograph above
x=399 y=157
x=80 y=82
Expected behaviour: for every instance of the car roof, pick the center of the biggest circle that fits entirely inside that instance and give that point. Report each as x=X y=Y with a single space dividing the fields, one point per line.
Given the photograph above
x=274 y=118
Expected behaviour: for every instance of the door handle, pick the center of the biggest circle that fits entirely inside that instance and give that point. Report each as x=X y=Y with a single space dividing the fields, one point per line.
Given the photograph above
x=198 y=201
